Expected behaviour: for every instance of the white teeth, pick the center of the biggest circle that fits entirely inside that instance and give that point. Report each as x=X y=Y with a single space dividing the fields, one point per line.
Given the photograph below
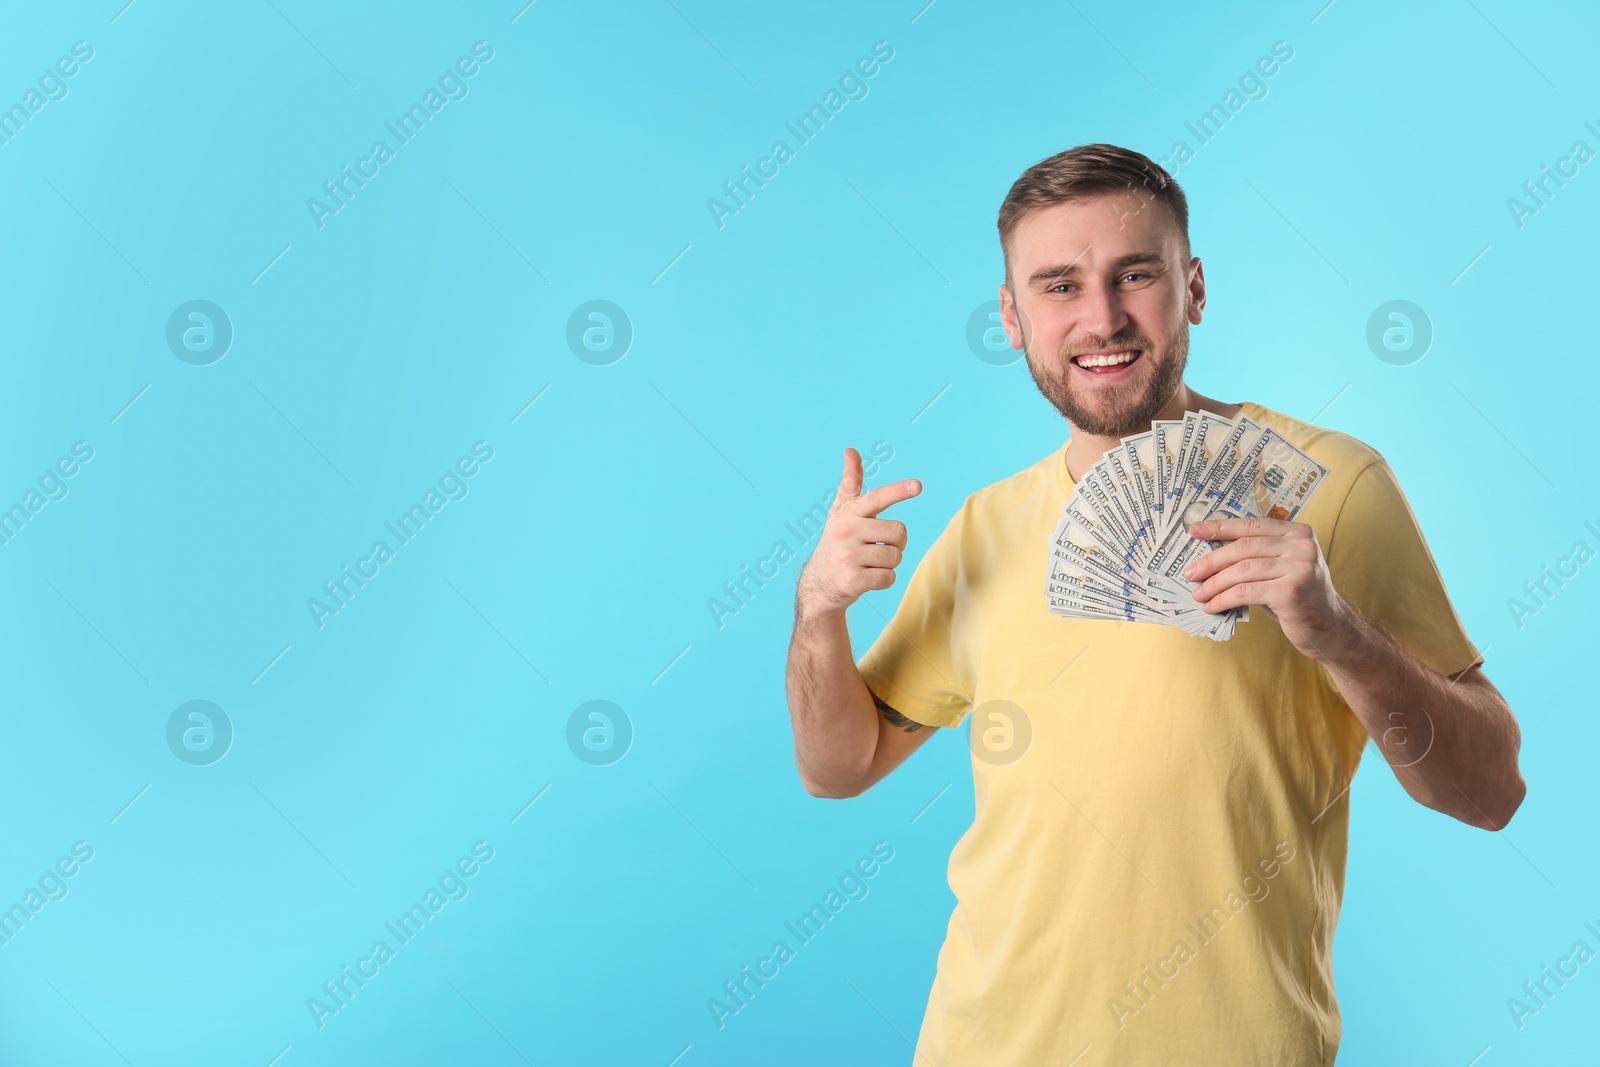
x=1106 y=360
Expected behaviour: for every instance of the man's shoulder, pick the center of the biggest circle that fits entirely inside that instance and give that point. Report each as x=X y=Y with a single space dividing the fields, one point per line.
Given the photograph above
x=1346 y=458
x=1340 y=452
x=1003 y=495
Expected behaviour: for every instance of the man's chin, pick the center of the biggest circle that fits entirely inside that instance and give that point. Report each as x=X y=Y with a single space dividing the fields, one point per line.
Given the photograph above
x=1111 y=417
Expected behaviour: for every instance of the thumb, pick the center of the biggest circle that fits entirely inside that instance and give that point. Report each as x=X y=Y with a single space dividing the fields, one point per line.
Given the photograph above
x=850 y=483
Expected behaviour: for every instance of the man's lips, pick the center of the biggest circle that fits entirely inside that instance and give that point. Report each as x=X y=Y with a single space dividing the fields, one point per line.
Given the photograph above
x=1112 y=361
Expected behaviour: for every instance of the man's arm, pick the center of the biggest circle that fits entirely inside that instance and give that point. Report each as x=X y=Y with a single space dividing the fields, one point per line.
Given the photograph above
x=842 y=743
x=1452 y=742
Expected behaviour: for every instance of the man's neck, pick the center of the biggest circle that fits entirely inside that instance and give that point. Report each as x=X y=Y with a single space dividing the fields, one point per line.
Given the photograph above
x=1084 y=449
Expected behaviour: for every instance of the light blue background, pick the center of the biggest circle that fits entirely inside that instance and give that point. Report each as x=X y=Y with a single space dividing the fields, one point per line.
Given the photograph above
x=369 y=354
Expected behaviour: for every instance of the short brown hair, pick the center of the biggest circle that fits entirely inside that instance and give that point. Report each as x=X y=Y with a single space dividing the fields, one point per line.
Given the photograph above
x=1085 y=171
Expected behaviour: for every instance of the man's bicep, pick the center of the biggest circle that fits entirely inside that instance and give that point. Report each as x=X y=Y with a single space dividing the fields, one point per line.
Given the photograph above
x=897 y=720
x=1380 y=562
x=920 y=664
x=898 y=737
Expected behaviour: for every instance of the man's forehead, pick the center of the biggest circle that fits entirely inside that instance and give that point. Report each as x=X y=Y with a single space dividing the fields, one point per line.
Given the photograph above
x=1094 y=232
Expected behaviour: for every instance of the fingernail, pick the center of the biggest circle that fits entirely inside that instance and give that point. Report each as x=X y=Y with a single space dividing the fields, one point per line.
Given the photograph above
x=1188 y=572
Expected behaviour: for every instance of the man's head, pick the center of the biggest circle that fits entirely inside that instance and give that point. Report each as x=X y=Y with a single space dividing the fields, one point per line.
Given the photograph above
x=1100 y=285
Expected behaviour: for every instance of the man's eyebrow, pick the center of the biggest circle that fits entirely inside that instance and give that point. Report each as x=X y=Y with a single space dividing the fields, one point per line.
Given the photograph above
x=1067 y=270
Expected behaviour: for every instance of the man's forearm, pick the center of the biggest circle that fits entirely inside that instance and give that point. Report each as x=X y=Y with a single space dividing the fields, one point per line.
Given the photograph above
x=1452 y=743
x=834 y=718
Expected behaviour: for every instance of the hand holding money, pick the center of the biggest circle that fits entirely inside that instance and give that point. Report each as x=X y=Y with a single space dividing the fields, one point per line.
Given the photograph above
x=856 y=551
x=1126 y=539
x=1275 y=564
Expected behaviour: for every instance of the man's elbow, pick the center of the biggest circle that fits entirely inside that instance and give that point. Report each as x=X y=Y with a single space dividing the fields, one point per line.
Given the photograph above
x=833 y=789
x=1485 y=811
x=1497 y=817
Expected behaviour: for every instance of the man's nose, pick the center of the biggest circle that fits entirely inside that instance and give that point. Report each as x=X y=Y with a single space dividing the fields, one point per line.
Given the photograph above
x=1102 y=312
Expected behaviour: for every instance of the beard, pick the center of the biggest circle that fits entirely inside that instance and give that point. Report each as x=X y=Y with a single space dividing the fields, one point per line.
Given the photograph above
x=1124 y=409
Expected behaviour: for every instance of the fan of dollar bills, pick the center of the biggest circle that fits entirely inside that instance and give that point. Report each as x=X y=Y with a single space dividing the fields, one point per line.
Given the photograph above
x=1119 y=549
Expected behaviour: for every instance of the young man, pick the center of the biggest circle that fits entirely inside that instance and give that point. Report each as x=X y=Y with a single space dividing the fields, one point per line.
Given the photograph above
x=1156 y=862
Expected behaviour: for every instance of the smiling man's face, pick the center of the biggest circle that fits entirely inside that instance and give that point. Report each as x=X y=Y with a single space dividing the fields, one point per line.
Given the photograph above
x=1104 y=296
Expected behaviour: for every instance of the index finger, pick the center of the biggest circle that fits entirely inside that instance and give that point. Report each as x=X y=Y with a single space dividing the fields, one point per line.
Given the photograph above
x=1250 y=526
x=876 y=500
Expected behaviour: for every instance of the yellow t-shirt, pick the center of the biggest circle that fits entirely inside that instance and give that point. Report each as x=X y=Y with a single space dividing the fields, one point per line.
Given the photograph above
x=1156 y=861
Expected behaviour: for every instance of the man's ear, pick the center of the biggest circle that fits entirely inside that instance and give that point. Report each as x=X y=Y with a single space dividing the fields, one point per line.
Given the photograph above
x=1009 y=313
x=1197 y=292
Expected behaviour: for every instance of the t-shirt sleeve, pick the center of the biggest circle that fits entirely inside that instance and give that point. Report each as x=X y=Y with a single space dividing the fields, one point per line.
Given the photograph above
x=1380 y=563
x=916 y=665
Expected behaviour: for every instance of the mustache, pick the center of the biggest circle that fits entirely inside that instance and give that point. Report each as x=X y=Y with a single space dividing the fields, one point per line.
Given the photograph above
x=1132 y=341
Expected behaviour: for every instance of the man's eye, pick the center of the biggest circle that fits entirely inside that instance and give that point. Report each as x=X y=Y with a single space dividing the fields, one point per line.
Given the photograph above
x=1135 y=274
x=1056 y=288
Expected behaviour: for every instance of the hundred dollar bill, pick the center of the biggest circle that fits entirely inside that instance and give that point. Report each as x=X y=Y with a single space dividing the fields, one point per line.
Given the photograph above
x=1070 y=595
x=1274 y=480
x=1130 y=500
x=1079 y=539
x=1098 y=490
x=1122 y=539
x=1210 y=482
x=1202 y=433
x=1070 y=572
x=1139 y=462
x=1078 y=543
x=1075 y=595
x=1166 y=436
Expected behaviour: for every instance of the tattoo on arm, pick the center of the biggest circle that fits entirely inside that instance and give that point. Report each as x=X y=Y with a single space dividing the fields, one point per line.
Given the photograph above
x=895 y=718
